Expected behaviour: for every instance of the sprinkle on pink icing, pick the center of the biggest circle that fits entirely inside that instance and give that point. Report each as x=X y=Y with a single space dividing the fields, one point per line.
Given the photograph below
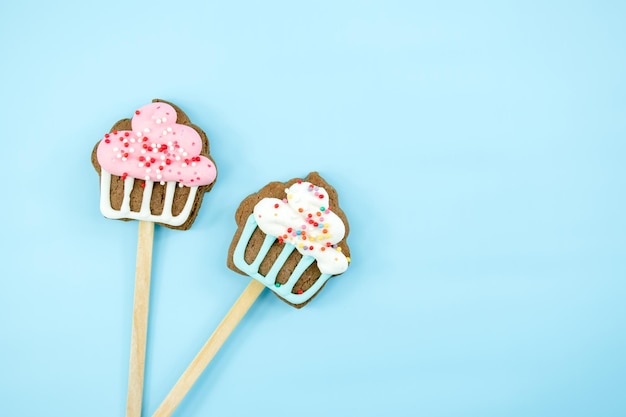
x=157 y=149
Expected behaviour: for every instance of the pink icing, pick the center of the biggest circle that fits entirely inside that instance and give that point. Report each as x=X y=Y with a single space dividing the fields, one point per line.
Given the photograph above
x=157 y=149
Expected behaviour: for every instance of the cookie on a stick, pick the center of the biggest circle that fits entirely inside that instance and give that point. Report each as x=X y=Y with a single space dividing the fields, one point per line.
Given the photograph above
x=155 y=168
x=291 y=238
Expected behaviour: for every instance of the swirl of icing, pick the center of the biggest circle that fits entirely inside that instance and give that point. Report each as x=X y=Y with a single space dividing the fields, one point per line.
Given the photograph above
x=304 y=220
x=157 y=149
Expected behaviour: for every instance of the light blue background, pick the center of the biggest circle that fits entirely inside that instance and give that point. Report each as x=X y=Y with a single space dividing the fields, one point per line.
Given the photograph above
x=478 y=149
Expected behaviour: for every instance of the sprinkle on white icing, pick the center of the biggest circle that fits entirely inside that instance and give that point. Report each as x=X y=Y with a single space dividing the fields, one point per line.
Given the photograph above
x=305 y=220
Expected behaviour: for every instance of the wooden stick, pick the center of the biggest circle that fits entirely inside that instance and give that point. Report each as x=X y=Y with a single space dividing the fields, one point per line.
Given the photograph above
x=140 y=319
x=210 y=348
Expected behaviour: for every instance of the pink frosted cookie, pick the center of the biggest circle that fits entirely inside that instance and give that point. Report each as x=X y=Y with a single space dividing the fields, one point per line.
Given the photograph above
x=154 y=167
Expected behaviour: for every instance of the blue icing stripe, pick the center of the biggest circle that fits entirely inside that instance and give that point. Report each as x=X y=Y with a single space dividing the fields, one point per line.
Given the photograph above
x=269 y=280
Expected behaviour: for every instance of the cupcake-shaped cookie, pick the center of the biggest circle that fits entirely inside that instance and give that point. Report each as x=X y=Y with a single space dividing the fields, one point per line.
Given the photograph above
x=154 y=167
x=291 y=237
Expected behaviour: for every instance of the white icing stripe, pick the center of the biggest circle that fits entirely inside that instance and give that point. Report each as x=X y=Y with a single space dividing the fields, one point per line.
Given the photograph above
x=144 y=213
x=128 y=187
x=145 y=200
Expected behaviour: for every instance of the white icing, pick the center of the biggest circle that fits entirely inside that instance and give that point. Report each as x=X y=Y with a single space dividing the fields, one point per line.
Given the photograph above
x=144 y=213
x=304 y=220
